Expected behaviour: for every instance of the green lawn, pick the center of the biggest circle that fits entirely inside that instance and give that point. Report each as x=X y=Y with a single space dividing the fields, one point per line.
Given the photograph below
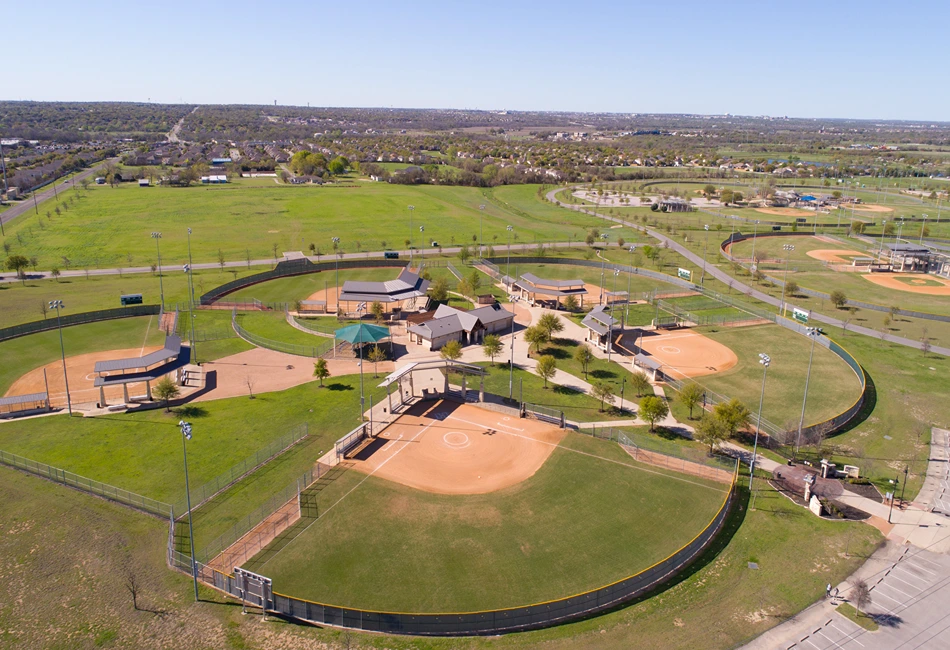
x=25 y=353
x=833 y=388
x=273 y=326
x=106 y=224
x=141 y=452
x=22 y=302
x=387 y=546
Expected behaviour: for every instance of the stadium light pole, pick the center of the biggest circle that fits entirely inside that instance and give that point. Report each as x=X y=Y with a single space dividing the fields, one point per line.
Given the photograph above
x=411 y=210
x=755 y=232
x=765 y=360
x=813 y=333
x=508 y=267
x=481 y=230
x=186 y=435
x=191 y=317
x=336 y=242
x=883 y=234
x=603 y=268
x=161 y=287
x=57 y=305
x=702 y=278
x=191 y=287
x=788 y=248
x=633 y=247
x=921 y=242
x=422 y=251
x=610 y=340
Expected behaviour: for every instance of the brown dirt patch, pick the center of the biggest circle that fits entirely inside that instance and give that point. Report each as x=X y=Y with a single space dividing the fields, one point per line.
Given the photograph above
x=80 y=370
x=272 y=371
x=838 y=256
x=450 y=448
x=786 y=212
x=893 y=281
x=684 y=353
x=871 y=207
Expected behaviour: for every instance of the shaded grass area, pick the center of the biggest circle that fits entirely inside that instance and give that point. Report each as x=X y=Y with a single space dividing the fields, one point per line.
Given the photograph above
x=849 y=612
x=511 y=547
x=141 y=451
x=22 y=354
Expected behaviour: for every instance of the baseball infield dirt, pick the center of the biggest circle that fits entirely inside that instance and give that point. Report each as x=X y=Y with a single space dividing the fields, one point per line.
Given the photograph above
x=451 y=448
x=787 y=212
x=909 y=283
x=684 y=353
x=80 y=370
x=871 y=207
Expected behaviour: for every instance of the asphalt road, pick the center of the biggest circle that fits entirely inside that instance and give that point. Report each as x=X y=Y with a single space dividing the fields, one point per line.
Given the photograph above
x=49 y=192
x=743 y=288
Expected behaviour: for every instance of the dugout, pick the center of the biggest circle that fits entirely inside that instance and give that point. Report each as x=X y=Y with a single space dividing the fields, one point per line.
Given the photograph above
x=22 y=405
x=430 y=380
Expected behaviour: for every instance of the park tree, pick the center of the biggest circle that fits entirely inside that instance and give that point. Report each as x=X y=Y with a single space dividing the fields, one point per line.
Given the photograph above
x=653 y=409
x=711 y=431
x=709 y=190
x=838 y=298
x=726 y=196
x=55 y=272
x=536 y=336
x=18 y=263
x=570 y=304
x=583 y=356
x=376 y=354
x=860 y=595
x=690 y=396
x=640 y=383
x=451 y=351
x=338 y=165
x=733 y=414
x=439 y=290
x=166 y=390
x=604 y=392
x=491 y=346
x=377 y=310
x=464 y=254
x=551 y=323
x=792 y=288
x=321 y=370
x=547 y=366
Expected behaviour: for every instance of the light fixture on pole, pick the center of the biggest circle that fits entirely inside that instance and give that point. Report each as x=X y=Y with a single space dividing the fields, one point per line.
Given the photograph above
x=191 y=288
x=813 y=333
x=633 y=247
x=883 y=233
x=422 y=251
x=788 y=248
x=186 y=435
x=755 y=232
x=765 y=360
x=702 y=278
x=161 y=287
x=57 y=305
x=603 y=268
x=922 y=227
x=508 y=268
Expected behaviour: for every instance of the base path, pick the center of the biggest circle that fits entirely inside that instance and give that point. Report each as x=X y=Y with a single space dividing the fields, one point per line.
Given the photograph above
x=450 y=448
x=272 y=371
x=871 y=207
x=80 y=370
x=911 y=283
x=838 y=255
x=786 y=212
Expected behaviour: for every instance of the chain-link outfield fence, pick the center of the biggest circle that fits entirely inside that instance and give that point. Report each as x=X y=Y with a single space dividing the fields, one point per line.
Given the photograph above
x=544 y=413
x=325 y=326
x=279 y=346
x=104 y=490
x=247 y=466
x=695 y=315
x=668 y=454
x=65 y=320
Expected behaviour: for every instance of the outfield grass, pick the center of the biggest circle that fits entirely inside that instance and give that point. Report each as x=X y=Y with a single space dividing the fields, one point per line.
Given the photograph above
x=832 y=389
x=141 y=451
x=273 y=326
x=771 y=248
x=107 y=224
x=22 y=354
x=22 y=302
x=390 y=547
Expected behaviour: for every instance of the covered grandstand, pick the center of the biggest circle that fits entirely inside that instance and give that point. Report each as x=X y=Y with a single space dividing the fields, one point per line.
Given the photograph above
x=149 y=368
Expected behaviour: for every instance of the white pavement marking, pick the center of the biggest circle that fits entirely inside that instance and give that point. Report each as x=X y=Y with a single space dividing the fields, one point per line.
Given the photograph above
x=908 y=573
x=850 y=635
x=878 y=592
x=909 y=584
x=919 y=567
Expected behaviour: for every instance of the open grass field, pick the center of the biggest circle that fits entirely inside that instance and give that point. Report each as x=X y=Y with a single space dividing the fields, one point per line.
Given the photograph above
x=107 y=224
x=833 y=388
x=272 y=325
x=770 y=248
x=141 y=452
x=25 y=353
x=22 y=302
x=387 y=546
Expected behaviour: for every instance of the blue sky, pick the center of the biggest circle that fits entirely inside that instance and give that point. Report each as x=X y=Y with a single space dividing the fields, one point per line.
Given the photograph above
x=835 y=58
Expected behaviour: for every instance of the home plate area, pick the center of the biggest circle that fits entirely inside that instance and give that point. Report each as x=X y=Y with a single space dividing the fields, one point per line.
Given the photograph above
x=451 y=448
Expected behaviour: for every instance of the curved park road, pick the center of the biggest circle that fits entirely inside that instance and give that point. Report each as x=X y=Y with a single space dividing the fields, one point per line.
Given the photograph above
x=726 y=278
x=27 y=205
